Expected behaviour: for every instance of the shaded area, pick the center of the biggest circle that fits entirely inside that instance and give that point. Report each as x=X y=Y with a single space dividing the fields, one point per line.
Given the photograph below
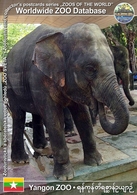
x=118 y=152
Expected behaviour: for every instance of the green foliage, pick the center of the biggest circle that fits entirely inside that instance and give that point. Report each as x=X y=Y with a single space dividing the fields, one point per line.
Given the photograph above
x=14 y=33
x=118 y=33
x=133 y=26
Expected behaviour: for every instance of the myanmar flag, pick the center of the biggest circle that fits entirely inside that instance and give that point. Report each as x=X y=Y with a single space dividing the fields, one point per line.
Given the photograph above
x=13 y=184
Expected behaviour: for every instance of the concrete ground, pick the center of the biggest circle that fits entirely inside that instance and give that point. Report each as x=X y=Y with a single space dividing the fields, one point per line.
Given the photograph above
x=119 y=155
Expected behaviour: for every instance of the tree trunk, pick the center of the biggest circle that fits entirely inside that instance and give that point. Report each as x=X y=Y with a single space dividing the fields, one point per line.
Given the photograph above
x=131 y=49
x=130 y=35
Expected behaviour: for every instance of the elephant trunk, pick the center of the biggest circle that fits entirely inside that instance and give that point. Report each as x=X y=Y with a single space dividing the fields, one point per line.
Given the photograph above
x=125 y=82
x=114 y=100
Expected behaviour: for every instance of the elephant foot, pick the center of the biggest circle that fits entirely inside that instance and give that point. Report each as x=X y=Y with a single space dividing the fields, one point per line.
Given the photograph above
x=40 y=144
x=46 y=151
x=63 y=172
x=22 y=159
x=93 y=159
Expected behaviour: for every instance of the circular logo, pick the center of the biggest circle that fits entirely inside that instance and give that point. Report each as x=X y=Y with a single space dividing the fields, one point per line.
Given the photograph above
x=124 y=13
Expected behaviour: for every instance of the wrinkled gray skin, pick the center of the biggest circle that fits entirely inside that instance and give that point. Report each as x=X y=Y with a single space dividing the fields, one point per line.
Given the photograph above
x=52 y=68
x=121 y=65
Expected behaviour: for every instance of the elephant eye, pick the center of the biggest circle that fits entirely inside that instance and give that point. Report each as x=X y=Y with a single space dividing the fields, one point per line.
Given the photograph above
x=90 y=68
x=90 y=71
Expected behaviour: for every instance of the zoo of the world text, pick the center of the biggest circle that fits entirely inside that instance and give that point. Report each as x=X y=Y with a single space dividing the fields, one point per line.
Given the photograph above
x=63 y=8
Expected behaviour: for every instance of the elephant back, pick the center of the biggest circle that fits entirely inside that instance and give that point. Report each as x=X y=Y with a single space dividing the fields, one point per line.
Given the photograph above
x=19 y=60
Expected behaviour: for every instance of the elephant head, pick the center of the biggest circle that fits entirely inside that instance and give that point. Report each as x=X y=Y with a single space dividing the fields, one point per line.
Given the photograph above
x=121 y=64
x=79 y=61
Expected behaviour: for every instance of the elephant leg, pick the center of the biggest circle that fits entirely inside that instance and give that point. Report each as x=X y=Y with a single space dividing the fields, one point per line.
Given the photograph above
x=18 y=153
x=68 y=122
x=53 y=117
x=93 y=109
x=83 y=123
x=39 y=140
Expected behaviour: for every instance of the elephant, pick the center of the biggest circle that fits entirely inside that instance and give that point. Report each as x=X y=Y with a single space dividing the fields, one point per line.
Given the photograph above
x=121 y=64
x=53 y=68
x=68 y=122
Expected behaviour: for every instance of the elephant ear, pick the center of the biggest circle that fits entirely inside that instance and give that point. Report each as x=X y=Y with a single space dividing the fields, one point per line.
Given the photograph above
x=48 y=57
